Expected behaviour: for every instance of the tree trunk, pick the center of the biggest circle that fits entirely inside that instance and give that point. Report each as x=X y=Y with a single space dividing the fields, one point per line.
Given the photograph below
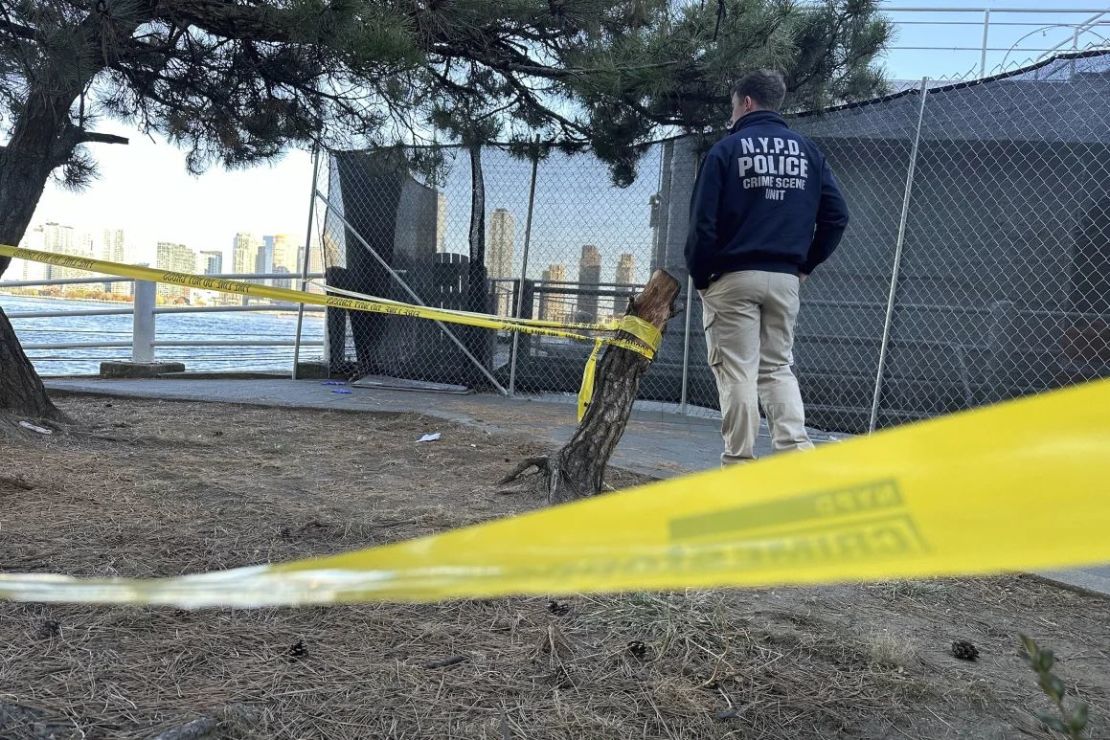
x=21 y=389
x=40 y=142
x=578 y=469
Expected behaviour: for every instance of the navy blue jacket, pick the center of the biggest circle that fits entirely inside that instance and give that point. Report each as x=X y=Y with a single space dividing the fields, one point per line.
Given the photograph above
x=765 y=199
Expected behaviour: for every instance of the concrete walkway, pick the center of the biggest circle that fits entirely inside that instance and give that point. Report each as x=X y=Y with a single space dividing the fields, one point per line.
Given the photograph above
x=657 y=443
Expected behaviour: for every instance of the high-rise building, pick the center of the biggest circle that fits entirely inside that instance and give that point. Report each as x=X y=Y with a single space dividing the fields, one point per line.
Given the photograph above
x=177 y=258
x=285 y=283
x=589 y=279
x=500 y=257
x=315 y=263
x=86 y=244
x=626 y=269
x=244 y=253
x=264 y=258
x=554 y=307
x=280 y=256
x=212 y=261
x=61 y=239
x=281 y=252
x=112 y=249
x=35 y=238
x=502 y=226
x=58 y=238
x=441 y=221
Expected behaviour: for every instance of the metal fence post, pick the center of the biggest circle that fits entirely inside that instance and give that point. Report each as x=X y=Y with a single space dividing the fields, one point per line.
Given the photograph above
x=524 y=267
x=986 y=32
x=306 y=262
x=885 y=343
x=684 y=398
x=684 y=394
x=142 y=328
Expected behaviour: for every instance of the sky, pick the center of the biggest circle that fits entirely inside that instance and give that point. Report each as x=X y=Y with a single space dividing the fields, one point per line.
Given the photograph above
x=145 y=189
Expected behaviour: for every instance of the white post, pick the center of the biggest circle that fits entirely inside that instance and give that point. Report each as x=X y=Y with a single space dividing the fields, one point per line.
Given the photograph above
x=142 y=332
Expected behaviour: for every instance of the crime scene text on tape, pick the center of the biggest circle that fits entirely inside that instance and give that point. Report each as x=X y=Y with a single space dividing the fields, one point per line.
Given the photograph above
x=1019 y=486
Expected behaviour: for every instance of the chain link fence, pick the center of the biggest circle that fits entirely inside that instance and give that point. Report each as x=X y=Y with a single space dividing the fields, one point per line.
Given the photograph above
x=976 y=267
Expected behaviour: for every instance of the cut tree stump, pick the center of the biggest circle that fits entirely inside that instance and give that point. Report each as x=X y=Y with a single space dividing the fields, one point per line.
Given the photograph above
x=578 y=469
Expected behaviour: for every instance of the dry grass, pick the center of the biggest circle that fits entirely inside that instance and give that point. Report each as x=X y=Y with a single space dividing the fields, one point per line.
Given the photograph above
x=159 y=489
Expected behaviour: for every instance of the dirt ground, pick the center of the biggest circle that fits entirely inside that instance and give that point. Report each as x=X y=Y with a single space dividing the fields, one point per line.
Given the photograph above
x=156 y=489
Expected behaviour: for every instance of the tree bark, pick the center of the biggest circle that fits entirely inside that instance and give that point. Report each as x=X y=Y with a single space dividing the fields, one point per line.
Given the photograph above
x=21 y=389
x=42 y=140
x=578 y=469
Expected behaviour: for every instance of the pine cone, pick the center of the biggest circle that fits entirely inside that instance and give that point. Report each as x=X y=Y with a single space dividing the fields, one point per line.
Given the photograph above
x=964 y=650
x=49 y=629
x=558 y=609
x=298 y=651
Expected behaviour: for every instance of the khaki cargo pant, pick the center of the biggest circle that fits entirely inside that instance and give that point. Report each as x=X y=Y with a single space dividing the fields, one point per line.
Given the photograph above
x=749 y=329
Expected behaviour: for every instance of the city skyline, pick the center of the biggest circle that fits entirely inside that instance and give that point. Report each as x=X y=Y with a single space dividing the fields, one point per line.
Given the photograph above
x=244 y=252
x=112 y=244
x=115 y=244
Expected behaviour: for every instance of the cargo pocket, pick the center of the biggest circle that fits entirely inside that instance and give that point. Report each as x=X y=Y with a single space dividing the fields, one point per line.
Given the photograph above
x=713 y=347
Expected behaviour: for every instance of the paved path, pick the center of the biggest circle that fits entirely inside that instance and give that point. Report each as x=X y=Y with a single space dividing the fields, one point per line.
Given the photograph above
x=655 y=443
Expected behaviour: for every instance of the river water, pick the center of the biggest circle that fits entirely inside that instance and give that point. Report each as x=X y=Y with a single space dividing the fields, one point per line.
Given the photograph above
x=248 y=326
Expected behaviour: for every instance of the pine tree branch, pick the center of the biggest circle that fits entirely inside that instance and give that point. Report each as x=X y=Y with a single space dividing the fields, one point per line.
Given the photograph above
x=19 y=31
x=74 y=136
x=231 y=21
x=94 y=137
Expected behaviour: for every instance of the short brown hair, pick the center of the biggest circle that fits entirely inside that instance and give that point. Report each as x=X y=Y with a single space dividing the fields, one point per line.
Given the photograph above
x=765 y=86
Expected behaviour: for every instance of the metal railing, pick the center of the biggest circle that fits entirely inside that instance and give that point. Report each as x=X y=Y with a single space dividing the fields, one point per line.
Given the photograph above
x=144 y=309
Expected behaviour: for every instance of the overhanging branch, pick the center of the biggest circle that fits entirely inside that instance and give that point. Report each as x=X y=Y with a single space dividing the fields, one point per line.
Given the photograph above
x=93 y=137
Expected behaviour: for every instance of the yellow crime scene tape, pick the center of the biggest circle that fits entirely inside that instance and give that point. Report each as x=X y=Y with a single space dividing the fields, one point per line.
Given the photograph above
x=646 y=337
x=1019 y=486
